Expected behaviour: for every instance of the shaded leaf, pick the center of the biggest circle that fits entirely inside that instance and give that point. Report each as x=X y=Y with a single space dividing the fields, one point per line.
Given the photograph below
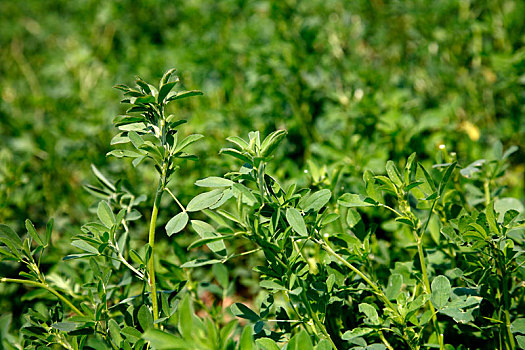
x=440 y=292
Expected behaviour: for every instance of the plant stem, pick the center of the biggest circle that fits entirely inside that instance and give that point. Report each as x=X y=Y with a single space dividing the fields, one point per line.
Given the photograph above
x=426 y=284
x=486 y=187
x=151 y=242
x=175 y=199
x=313 y=316
x=46 y=287
x=506 y=305
x=129 y=266
x=383 y=339
x=374 y=287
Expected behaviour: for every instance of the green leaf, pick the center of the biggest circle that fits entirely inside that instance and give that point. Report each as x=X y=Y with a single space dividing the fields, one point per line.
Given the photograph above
x=135 y=139
x=371 y=188
x=393 y=173
x=32 y=231
x=114 y=331
x=164 y=91
x=271 y=142
x=502 y=205
x=518 y=326
x=136 y=257
x=221 y=275
x=206 y=230
x=203 y=241
x=300 y=341
x=145 y=317
x=271 y=285
x=491 y=218
x=331 y=217
x=316 y=200
x=352 y=217
x=160 y=340
x=324 y=344
x=246 y=341
x=131 y=334
x=520 y=339
x=266 y=344
x=65 y=326
x=237 y=154
x=296 y=221
x=410 y=168
x=186 y=142
x=166 y=77
x=204 y=200
x=127 y=119
x=247 y=195
x=184 y=94
x=8 y=233
x=103 y=179
x=185 y=317
x=145 y=99
x=85 y=246
x=356 y=332
x=395 y=281
x=238 y=141
x=424 y=176
x=177 y=223
x=243 y=311
x=446 y=177
x=105 y=214
x=440 y=292
x=351 y=200
x=461 y=309
x=214 y=181
x=472 y=168
x=370 y=312
x=49 y=230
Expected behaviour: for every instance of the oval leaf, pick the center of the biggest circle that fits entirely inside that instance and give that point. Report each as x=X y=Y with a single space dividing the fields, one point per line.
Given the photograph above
x=177 y=223
x=294 y=218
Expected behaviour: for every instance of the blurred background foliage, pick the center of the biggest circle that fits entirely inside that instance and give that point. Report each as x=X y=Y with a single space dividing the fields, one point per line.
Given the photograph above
x=354 y=82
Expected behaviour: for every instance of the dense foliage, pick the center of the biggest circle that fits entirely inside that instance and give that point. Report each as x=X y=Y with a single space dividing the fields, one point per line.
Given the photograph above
x=329 y=232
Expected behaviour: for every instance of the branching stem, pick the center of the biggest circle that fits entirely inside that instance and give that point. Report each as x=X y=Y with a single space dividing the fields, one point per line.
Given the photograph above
x=46 y=287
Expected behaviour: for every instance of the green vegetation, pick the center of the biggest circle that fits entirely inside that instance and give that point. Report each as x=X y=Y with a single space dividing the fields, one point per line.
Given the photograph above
x=379 y=206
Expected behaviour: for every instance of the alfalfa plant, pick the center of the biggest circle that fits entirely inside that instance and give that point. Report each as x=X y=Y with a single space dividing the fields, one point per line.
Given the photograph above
x=152 y=135
x=323 y=284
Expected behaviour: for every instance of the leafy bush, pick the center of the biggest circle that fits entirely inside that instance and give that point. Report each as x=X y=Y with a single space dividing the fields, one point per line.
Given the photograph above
x=418 y=257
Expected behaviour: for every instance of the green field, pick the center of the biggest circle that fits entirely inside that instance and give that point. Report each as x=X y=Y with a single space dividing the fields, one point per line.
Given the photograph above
x=376 y=202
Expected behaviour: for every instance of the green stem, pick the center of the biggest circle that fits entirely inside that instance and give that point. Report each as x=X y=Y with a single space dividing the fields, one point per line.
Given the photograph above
x=486 y=187
x=151 y=261
x=311 y=313
x=175 y=199
x=313 y=317
x=383 y=339
x=506 y=304
x=374 y=287
x=46 y=287
x=426 y=283
x=151 y=242
x=301 y=318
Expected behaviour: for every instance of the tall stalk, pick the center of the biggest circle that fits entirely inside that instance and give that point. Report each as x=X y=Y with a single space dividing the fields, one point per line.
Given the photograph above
x=151 y=242
x=152 y=123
